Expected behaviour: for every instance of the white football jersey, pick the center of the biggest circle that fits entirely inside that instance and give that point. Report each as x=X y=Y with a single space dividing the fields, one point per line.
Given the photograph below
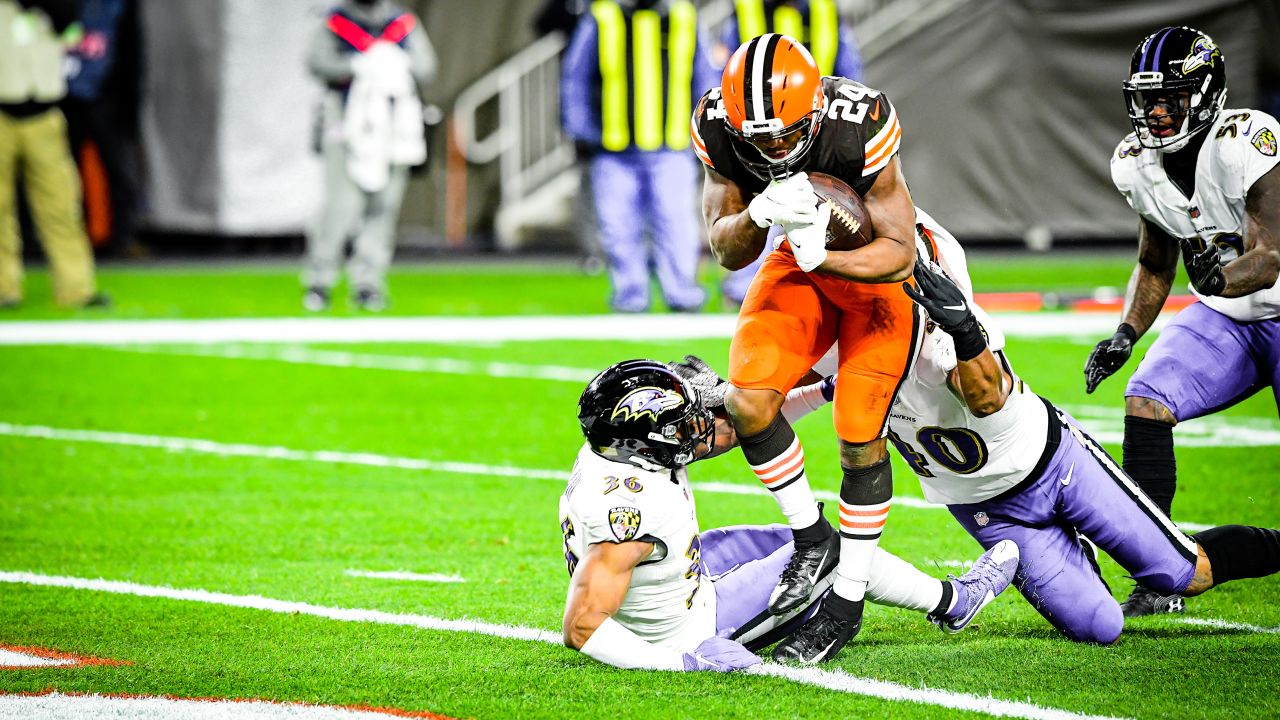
x=1239 y=148
x=959 y=457
x=670 y=601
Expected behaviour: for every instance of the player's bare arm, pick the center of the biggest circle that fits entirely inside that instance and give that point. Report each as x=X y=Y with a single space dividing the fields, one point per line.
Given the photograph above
x=599 y=586
x=982 y=383
x=1259 y=266
x=735 y=238
x=890 y=256
x=1152 y=277
x=1148 y=289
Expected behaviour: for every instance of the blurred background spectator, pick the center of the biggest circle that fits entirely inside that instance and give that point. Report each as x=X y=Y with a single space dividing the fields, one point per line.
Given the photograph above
x=34 y=149
x=372 y=56
x=816 y=24
x=632 y=73
x=102 y=121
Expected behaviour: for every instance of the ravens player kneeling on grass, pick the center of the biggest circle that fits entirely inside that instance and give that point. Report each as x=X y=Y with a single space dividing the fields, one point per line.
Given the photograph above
x=648 y=589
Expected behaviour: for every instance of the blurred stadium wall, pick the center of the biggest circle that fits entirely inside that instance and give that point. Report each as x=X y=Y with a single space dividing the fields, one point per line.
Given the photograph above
x=1010 y=107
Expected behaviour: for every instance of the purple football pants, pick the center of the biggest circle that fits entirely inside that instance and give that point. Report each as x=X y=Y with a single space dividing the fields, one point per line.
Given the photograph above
x=635 y=191
x=1081 y=491
x=1204 y=361
x=745 y=562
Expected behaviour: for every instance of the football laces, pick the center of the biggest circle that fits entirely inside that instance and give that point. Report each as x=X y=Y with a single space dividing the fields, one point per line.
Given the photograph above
x=843 y=216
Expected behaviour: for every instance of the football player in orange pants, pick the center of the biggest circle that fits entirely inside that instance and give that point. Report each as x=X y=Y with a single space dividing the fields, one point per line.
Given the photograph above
x=773 y=119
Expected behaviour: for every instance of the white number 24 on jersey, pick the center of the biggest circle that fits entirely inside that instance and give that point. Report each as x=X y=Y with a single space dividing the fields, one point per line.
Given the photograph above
x=843 y=108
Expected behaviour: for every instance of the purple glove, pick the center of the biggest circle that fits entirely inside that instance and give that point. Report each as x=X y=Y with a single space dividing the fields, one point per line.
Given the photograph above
x=721 y=655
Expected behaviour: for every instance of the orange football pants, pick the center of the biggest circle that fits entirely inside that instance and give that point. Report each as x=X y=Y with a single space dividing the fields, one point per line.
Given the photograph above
x=790 y=319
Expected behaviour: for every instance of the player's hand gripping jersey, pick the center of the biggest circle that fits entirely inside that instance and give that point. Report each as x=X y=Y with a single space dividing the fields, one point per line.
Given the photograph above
x=670 y=601
x=959 y=457
x=1239 y=148
x=859 y=135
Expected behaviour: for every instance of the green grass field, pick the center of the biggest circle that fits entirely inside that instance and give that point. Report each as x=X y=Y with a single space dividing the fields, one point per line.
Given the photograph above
x=241 y=515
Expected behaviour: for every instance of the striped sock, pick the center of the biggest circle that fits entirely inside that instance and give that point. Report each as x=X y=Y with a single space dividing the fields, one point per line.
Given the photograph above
x=777 y=459
x=865 y=497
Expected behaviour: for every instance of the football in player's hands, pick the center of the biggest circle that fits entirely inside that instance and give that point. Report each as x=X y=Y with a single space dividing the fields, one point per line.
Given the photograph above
x=720 y=655
x=790 y=200
x=850 y=225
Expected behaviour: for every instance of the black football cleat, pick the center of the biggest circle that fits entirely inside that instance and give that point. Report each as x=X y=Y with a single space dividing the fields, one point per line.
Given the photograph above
x=1145 y=601
x=820 y=638
x=809 y=563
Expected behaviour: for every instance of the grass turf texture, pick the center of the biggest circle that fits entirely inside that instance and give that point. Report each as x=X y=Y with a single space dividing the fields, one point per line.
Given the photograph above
x=289 y=530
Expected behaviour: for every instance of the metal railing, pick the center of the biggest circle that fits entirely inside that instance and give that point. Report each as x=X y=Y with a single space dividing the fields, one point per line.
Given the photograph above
x=522 y=95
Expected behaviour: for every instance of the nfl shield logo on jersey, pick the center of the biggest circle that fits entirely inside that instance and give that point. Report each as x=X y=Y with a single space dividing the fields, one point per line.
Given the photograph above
x=981 y=518
x=625 y=522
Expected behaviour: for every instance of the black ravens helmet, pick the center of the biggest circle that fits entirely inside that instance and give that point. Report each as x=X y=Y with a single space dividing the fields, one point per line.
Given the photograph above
x=640 y=412
x=1177 y=84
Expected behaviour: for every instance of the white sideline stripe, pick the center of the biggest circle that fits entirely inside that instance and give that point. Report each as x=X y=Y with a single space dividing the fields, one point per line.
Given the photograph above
x=257 y=602
x=402 y=575
x=276 y=452
x=271 y=452
x=831 y=680
x=1227 y=625
x=10 y=658
x=402 y=363
x=468 y=329
x=56 y=706
x=1105 y=423
x=843 y=682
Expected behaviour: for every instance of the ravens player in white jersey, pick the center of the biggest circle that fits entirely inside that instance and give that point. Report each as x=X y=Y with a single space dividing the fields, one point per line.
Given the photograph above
x=1011 y=466
x=1204 y=180
x=647 y=589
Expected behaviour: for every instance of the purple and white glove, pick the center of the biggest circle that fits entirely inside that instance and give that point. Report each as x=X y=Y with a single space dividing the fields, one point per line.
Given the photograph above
x=720 y=655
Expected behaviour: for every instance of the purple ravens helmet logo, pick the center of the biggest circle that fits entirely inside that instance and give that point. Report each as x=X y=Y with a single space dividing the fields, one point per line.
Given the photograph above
x=645 y=401
x=1203 y=51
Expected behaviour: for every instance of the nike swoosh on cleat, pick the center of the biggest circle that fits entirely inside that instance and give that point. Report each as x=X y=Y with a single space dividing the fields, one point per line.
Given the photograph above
x=822 y=655
x=818 y=570
x=954 y=307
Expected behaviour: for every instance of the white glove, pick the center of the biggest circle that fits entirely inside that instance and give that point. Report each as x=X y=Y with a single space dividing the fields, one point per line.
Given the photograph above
x=789 y=200
x=809 y=241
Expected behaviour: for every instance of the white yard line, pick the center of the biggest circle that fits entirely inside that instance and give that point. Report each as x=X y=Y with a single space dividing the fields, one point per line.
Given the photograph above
x=276 y=452
x=402 y=575
x=828 y=679
x=1227 y=625
x=13 y=659
x=60 y=706
x=368 y=361
x=465 y=329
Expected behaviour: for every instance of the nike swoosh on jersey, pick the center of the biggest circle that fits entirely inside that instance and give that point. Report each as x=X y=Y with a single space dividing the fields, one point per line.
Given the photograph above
x=1067 y=480
x=875 y=114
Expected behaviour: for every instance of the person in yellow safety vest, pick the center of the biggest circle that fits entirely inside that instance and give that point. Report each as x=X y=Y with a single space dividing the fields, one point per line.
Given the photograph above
x=34 y=35
x=816 y=24
x=630 y=77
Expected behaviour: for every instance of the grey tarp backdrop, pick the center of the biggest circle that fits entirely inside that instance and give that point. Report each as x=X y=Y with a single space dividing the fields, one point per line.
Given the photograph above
x=1010 y=108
